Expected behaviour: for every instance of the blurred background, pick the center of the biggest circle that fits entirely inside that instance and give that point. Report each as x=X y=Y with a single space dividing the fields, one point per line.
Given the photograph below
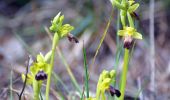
x=22 y=32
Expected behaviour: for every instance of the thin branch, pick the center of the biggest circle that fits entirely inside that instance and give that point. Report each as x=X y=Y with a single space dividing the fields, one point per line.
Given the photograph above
x=25 y=81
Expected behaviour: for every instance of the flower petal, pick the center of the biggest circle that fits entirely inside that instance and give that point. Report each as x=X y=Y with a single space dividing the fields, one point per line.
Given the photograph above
x=112 y=74
x=137 y=35
x=48 y=56
x=133 y=7
x=40 y=58
x=56 y=18
x=65 y=29
x=121 y=32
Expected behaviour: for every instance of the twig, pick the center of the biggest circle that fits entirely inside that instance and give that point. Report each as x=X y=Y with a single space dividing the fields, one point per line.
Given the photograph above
x=25 y=81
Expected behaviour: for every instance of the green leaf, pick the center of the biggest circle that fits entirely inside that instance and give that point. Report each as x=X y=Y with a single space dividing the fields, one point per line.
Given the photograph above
x=133 y=7
x=137 y=35
x=65 y=29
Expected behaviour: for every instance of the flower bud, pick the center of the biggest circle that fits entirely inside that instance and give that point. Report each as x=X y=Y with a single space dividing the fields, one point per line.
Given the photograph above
x=41 y=75
x=128 y=40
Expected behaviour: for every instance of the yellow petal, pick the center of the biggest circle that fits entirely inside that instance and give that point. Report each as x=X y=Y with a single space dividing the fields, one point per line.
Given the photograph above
x=137 y=35
x=121 y=32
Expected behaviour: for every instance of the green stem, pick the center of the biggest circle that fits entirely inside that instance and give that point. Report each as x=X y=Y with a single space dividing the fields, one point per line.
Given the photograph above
x=103 y=96
x=97 y=94
x=131 y=23
x=36 y=88
x=55 y=42
x=124 y=74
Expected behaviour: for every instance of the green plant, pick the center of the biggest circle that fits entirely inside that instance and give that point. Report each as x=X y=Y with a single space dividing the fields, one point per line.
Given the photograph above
x=129 y=33
x=86 y=72
x=104 y=84
x=42 y=68
x=59 y=31
x=38 y=73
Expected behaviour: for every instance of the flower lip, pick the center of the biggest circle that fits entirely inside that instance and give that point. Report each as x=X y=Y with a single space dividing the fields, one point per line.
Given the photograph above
x=41 y=75
x=72 y=38
x=114 y=91
x=128 y=40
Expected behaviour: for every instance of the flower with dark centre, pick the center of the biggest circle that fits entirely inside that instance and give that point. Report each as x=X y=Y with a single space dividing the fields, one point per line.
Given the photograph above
x=41 y=75
x=128 y=41
x=114 y=91
x=129 y=34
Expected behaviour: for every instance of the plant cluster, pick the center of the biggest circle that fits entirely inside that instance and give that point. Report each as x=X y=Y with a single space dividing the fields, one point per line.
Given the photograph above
x=41 y=69
x=104 y=83
x=127 y=10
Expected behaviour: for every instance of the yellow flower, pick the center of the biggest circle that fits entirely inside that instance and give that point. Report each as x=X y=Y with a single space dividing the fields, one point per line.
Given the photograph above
x=130 y=31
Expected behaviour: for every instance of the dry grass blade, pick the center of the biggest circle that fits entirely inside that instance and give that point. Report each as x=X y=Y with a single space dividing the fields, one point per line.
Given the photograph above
x=101 y=41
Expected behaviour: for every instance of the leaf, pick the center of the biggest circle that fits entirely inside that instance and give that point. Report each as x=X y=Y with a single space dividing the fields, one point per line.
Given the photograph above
x=133 y=7
x=137 y=35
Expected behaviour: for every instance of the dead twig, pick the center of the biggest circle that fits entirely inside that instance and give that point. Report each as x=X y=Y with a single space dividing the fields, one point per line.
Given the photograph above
x=25 y=81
